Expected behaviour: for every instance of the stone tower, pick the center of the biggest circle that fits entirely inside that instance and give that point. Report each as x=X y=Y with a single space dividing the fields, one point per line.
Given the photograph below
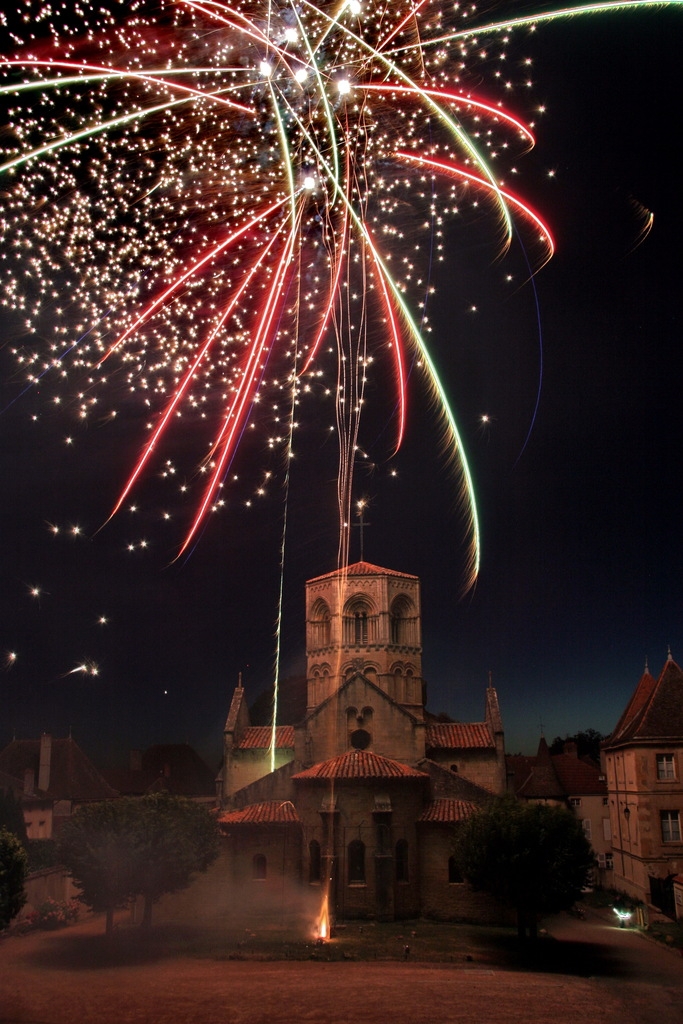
x=365 y=619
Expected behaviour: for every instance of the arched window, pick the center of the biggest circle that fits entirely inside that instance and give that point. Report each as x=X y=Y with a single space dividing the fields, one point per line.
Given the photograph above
x=314 y=863
x=356 y=862
x=454 y=876
x=357 y=622
x=401 y=860
x=258 y=866
x=320 y=625
x=402 y=617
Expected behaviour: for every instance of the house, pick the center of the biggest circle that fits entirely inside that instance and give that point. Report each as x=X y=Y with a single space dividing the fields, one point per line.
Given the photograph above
x=643 y=761
x=174 y=768
x=57 y=777
x=567 y=780
x=358 y=802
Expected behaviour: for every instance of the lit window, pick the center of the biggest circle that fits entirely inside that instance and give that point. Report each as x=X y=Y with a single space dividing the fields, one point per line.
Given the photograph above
x=665 y=767
x=671 y=826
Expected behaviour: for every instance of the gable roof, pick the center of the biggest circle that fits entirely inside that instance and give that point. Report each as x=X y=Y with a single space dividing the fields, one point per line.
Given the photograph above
x=360 y=764
x=458 y=736
x=554 y=776
x=73 y=776
x=268 y=813
x=655 y=711
x=382 y=694
x=172 y=767
x=444 y=811
x=363 y=569
x=258 y=737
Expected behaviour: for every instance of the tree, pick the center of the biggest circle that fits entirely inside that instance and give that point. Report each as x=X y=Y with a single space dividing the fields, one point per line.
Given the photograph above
x=13 y=871
x=587 y=744
x=136 y=846
x=533 y=857
x=176 y=839
x=97 y=845
x=12 y=816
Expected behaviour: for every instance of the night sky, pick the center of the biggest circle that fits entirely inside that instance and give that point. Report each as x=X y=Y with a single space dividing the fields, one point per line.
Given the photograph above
x=582 y=545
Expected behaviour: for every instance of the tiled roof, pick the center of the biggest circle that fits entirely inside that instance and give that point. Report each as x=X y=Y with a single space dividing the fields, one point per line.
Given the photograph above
x=445 y=811
x=578 y=776
x=458 y=736
x=363 y=569
x=258 y=737
x=360 y=764
x=173 y=767
x=73 y=776
x=268 y=813
x=655 y=711
x=554 y=776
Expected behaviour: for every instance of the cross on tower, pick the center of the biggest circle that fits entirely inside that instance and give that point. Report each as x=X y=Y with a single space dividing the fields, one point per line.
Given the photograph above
x=361 y=524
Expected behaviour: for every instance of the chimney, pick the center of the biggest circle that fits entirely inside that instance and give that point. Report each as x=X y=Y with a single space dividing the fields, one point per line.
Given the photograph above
x=45 y=758
x=29 y=781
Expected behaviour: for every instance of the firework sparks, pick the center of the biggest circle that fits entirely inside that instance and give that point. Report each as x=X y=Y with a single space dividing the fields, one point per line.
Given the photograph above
x=195 y=196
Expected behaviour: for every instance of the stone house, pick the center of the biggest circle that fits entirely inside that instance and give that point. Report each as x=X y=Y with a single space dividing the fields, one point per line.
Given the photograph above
x=643 y=761
x=56 y=777
x=358 y=802
x=577 y=783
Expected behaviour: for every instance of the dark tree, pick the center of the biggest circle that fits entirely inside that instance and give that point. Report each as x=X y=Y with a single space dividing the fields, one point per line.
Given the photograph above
x=587 y=744
x=98 y=846
x=12 y=816
x=176 y=838
x=144 y=846
x=13 y=871
x=532 y=857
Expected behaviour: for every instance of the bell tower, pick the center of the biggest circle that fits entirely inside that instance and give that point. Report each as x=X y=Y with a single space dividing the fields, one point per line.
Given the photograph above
x=365 y=619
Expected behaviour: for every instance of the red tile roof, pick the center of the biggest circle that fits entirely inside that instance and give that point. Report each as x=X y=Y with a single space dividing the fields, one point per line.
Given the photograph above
x=446 y=811
x=258 y=737
x=458 y=736
x=268 y=813
x=655 y=711
x=360 y=764
x=363 y=569
x=73 y=776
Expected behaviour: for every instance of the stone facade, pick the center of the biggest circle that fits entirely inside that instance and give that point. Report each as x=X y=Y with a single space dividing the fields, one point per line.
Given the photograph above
x=643 y=762
x=368 y=789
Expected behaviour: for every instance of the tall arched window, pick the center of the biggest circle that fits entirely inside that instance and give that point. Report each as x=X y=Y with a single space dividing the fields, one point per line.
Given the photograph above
x=320 y=625
x=314 y=862
x=402 y=618
x=356 y=861
x=258 y=866
x=357 y=622
x=401 y=860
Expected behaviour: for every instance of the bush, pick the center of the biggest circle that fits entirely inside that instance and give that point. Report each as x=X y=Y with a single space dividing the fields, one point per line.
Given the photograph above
x=52 y=914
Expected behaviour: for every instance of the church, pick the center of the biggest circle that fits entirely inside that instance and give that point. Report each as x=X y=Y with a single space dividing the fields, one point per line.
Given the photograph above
x=357 y=804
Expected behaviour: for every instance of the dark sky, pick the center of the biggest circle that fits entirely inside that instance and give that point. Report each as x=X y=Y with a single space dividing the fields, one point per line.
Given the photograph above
x=581 y=533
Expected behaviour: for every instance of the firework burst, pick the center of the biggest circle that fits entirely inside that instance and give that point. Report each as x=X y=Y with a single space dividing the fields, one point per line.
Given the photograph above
x=201 y=200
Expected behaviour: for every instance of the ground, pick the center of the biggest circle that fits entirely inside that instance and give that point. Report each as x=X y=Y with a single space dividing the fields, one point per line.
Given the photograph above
x=586 y=971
